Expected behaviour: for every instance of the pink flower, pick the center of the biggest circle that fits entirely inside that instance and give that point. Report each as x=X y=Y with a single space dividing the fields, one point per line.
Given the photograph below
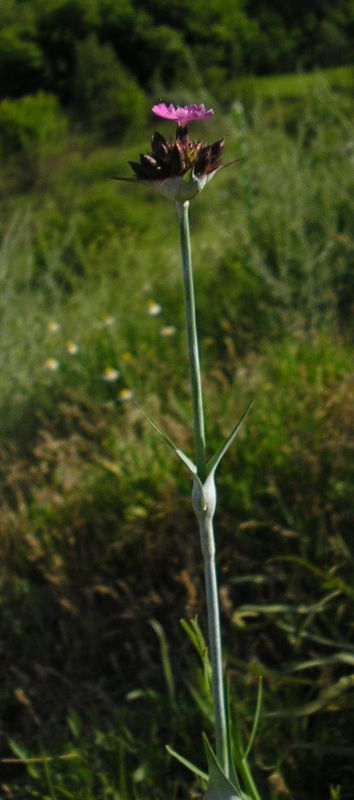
x=178 y=167
x=182 y=114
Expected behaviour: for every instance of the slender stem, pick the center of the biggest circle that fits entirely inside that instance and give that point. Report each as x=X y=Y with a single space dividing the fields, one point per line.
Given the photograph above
x=203 y=515
x=192 y=339
x=212 y=595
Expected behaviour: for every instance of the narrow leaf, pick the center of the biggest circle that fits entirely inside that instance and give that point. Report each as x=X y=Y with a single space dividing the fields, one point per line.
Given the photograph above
x=216 y=458
x=325 y=699
x=230 y=163
x=187 y=763
x=165 y=659
x=127 y=180
x=345 y=658
x=195 y=634
x=243 y=768
x=181 y=455
x=256 y=718
x=219 y=786
x=23 y=756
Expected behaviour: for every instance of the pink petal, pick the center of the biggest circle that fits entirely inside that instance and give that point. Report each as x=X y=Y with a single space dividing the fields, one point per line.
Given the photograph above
x=182 y=114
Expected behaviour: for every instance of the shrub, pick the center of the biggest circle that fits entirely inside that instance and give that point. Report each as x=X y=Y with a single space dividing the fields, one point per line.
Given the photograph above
x=107 y=97
x=30 y=129
x=165 y=59
x=61 y=23
x=22 y=66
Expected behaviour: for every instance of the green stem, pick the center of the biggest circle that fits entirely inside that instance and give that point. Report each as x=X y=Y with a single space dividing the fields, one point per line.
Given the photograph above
x=192 y=339
x=212 y=596
x=204 y=515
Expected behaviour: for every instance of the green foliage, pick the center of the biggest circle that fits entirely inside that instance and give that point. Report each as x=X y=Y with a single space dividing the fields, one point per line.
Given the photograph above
x=107 y=99
x=288 y=87
x=22 y=62
x=31 y=128
x=165 y=45
x=8 y=12
x=97 y=536
x=165 y=59
x=60 y=25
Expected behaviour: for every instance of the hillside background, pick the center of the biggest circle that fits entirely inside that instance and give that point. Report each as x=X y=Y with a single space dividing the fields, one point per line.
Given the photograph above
x=99 y=57
x=98 y=548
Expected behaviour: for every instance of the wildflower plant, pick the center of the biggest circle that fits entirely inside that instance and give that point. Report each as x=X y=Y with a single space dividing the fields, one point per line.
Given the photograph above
x=179 y=168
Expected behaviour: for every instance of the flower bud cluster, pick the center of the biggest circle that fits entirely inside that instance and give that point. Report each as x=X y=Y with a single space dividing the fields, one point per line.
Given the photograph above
x=174 y=158
x=179 y=167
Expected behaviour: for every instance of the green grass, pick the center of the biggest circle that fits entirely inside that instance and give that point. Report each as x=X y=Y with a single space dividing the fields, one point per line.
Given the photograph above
x=294 y=86
x=95 y=510
x=290 y=94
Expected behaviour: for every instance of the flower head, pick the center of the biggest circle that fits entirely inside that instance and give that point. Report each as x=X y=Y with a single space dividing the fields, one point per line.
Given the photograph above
x=182 y=114
x=177 y=157
x=110 y=374
x=52 y=364
x=53 y=327
x=153 y=308
x=72 y=347
x=179 y=167
x=124 y=395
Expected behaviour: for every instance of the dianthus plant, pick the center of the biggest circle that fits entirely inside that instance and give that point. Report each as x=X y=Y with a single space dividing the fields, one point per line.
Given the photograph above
x=179 y=168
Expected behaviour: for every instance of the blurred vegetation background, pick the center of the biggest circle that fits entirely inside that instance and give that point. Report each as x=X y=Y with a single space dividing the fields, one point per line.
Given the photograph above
x=98 y=547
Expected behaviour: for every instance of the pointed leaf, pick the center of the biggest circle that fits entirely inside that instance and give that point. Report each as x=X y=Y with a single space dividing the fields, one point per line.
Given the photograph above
x=243 y=768
x=127 y=180
x=181 y=455
x=187 y=763
x=229 y=164
x=256 y=718
x=219 y=786
x=22 y=754
x=216 y=458
x=195 y=634
x=165 y=659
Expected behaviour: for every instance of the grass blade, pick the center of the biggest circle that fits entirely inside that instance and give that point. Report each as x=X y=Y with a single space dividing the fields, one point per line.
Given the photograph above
x=256 y=718
x=187 y=763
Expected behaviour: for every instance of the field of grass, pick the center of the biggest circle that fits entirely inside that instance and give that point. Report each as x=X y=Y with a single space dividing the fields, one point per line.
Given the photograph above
x=296 y=85
x=95 y=512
